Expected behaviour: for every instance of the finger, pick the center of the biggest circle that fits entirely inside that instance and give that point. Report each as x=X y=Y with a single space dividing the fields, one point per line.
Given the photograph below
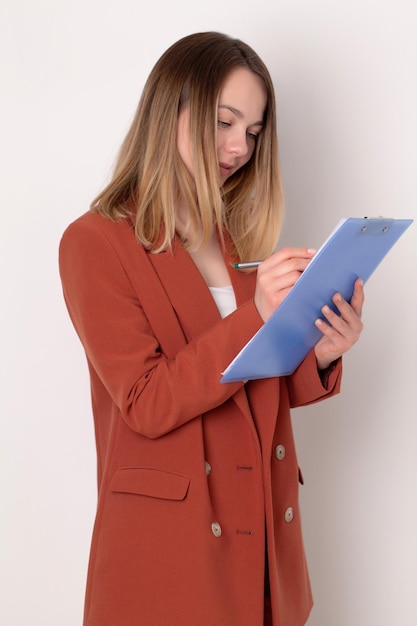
x=358 y=297
x=288 y=253
x=275 y=286
x=351 y=313
x=280 y=264
x=339 y=342
x=348 y=324
x=335 y=343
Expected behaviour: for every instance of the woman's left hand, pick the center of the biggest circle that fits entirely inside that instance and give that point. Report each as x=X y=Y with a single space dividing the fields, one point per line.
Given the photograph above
x=340 y=332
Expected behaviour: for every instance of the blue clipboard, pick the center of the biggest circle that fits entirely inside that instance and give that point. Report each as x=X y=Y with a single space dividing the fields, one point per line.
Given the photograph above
x=354 y=250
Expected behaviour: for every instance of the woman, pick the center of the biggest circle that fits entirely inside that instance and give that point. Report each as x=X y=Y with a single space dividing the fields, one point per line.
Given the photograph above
x=198 y=520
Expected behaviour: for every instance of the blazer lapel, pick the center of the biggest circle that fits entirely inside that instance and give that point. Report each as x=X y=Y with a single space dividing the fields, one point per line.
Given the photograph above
x=188 y=292
x=186 y=289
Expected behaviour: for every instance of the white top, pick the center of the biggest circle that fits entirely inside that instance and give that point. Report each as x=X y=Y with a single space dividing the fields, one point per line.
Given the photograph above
x=225 y=299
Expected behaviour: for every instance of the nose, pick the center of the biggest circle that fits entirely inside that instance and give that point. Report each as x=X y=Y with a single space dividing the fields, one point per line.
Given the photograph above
x=237 y=143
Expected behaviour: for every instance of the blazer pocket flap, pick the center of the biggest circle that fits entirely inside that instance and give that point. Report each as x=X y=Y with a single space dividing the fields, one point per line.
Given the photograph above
x=150 y=482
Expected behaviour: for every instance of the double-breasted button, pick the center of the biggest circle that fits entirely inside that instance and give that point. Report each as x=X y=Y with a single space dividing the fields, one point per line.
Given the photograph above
x=280 y=452
x=208 y=468
x=216 y=529
x=289 y=514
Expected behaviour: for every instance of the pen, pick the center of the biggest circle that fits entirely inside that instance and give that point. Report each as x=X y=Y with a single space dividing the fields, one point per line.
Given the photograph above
x=239 y=266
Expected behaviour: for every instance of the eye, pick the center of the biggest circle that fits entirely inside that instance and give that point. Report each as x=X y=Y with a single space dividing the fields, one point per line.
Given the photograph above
x=254 y=132
x=223 y=124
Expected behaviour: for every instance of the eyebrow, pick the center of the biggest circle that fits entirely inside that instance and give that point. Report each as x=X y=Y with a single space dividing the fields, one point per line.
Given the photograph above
x=238 y=113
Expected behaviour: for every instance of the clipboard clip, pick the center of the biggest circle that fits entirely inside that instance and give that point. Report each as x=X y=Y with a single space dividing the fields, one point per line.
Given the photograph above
x=384 y=230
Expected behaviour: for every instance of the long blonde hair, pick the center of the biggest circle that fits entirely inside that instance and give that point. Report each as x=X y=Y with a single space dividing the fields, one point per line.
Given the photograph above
x=149 y=175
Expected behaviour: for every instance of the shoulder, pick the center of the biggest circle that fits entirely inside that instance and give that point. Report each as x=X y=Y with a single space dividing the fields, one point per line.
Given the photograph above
x=95 y=225
x=96 y=241
x=96 y=232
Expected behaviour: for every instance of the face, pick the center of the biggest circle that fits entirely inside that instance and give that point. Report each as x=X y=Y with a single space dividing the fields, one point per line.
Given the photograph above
x=240 y=113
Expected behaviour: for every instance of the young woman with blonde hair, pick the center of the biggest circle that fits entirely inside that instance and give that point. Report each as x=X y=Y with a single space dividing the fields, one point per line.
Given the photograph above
x=198 y=520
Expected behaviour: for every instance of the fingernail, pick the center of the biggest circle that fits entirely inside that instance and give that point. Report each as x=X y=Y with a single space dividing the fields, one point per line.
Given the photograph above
x=311 y=251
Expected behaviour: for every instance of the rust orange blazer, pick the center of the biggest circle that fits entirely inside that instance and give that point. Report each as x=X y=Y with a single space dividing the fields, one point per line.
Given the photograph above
x=195 y=478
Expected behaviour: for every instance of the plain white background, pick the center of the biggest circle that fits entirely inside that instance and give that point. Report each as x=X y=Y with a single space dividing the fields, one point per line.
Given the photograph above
x=345 y=74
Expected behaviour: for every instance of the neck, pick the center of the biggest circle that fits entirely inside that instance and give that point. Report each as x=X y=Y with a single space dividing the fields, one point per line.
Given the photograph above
x=210 y=261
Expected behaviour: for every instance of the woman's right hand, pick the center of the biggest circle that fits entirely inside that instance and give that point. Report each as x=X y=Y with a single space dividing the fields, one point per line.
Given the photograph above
x=277 y=275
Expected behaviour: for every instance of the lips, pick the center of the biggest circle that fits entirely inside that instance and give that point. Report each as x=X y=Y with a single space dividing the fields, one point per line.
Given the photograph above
x=225 y=169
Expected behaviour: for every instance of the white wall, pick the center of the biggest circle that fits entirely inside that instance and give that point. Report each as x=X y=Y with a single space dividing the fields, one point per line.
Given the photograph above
x=345 y=75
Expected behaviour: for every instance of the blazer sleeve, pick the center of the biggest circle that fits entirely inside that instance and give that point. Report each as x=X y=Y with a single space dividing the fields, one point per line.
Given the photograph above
x=307 y=386
x=154 y=394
